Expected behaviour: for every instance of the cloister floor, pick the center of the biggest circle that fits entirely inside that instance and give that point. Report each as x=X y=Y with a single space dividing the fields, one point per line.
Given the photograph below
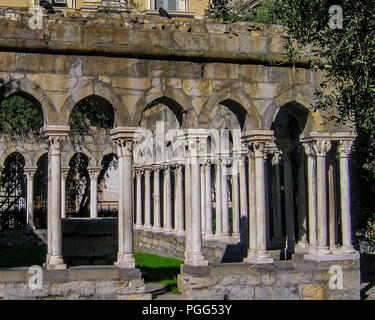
x=154 y=268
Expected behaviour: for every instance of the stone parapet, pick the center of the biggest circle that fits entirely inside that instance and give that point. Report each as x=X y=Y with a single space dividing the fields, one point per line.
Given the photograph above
x=86 y=283
x=142 y=36
x=283 y=280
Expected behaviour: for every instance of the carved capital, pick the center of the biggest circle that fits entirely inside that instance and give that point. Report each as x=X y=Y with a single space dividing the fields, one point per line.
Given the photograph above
x=139 y=172
x=30 y=172
x=309 y=148
x=94 y=173
x=124 y=147
x=321 y=147
x=345 y=148
x=259 y=148
x=56 y=144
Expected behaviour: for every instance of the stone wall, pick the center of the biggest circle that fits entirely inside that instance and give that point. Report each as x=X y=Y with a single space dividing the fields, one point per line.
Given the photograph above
x=76 y=283
x=283 y=280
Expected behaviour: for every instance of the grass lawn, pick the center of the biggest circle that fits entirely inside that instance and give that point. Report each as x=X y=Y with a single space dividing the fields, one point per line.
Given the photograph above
x=154 y=268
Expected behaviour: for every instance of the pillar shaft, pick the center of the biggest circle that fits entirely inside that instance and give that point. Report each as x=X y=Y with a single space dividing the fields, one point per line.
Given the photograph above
x=224 y=199
x=197 y=258
x=94 y=174
x=312 y=201
x=208 y=207
x=138 y=223
x=235 y=197
x=180 y=202
x=276 y=198
x=123 y=137
x=30 y=198
x=252 y=208
x=64 y=175
x=289 y=205
x=157 y=225
x=188 y=210
x=56 y=136
x=203 y=197
x=244 y=222
x=167 y=203
x=218 y=200
x=147 y=198
x=321 y=149
x=346 y=219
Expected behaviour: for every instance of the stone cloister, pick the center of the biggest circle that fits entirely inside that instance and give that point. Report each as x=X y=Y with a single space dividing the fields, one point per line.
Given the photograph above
x=214 y=142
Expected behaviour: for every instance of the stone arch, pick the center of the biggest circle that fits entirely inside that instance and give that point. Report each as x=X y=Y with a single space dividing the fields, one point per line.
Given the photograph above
x=38 y=155
x=173 y=98
x=32 y=92
x=103 y=91
x=70 y=155
x=21 y=151
x=238 y=103
x=105 y=152
x=315 y=120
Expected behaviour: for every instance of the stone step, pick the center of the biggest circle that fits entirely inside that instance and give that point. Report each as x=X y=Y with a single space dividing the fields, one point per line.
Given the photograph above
x=155 y=289
x=170 y=296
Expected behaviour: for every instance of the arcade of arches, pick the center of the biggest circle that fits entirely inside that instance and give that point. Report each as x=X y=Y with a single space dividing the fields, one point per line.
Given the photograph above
x=286 y=188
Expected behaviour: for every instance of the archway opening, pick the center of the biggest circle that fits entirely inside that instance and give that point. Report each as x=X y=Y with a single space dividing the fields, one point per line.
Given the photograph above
x=41 y=193
x=90 y=115
x=13 y=192
x=290 y=122
x=21 y=115
x=78 y=187
x=108 y=186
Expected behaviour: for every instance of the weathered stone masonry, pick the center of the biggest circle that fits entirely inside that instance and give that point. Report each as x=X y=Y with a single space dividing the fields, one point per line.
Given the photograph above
x=208 y=76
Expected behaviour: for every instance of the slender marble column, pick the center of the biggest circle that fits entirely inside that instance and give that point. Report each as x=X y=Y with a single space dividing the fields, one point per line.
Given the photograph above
x=30 y=172
x=167 y=204
x=208 y=207
x=332 y=214
x=197 y=258
x=235 y=196
x=262 y=255
x=123 y=137
x=64 y=175
x=203 y=198
x=138 y=222
x=289 y=204
x=56 y=136
x=180 y=202
x=252 y=208
x=147 y=199
x=311 y=178
x=94 y=174
x=244 y=222
x=321 y=147
x=219 y=213
x=346 y=219
x=302 y=245
x=157 y=225
x=276 y=198
x=224 y=198
x=188 y=210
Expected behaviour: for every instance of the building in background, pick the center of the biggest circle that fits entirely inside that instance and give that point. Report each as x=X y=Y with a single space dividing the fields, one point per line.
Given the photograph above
x=175 y=7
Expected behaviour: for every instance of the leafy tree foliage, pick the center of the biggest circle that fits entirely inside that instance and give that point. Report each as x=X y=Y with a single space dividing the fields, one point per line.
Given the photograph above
x=347 y=57
x=19 y=118
x=88 y=113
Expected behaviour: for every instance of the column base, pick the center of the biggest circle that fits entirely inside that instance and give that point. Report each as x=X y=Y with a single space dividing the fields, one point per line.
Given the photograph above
x=258 y=258
x=138 y=227
x=157 y=230
x=332 y=257
x=209 y=236
x=348 y=250
x=197 y=260
x=125 y=261
x=55 y=263
x=168 y=231
x=291 y=246
x=180 y=233
x=301 y=247
x=147 y=228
